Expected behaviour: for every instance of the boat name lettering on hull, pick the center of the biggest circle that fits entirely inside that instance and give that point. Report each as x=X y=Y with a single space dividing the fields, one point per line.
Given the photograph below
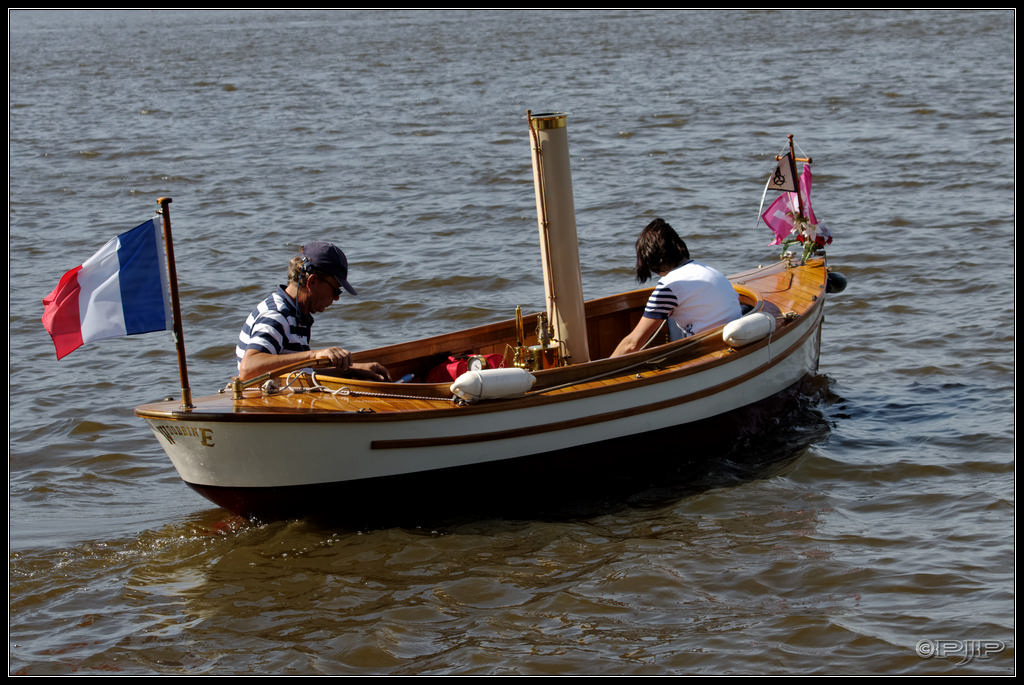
x=205 y=435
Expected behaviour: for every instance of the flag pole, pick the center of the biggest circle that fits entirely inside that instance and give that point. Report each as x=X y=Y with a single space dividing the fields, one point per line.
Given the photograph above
x=792 y=168
x=179 y=338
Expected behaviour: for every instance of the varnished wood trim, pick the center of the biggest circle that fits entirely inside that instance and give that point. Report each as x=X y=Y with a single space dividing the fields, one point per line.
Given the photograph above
x=221 y=409
x=597 y=418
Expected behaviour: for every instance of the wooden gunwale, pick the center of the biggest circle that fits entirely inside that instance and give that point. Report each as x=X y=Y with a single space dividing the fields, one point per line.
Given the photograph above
x=605 y=417
x=403 y=402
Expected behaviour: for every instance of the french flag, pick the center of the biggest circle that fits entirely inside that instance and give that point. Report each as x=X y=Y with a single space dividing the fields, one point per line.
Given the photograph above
x=121 y=290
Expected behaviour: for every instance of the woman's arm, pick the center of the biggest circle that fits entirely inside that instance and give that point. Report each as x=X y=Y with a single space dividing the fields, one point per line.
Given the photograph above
x=638 y=337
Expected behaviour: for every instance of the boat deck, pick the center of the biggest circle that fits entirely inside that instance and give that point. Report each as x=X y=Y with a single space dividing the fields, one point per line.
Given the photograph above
x=788 y=292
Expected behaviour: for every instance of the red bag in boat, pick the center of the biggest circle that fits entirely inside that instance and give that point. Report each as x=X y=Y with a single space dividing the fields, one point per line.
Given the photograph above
x=456 y=366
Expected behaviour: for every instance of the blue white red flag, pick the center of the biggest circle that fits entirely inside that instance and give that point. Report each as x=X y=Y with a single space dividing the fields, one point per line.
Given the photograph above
x=121 y=290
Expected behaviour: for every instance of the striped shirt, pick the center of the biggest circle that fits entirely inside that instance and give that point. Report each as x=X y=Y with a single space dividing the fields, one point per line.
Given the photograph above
x=695 y=297
x=276 y=326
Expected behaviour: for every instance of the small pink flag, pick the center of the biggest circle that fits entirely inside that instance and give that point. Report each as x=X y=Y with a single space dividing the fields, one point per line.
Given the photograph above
x=781 y=215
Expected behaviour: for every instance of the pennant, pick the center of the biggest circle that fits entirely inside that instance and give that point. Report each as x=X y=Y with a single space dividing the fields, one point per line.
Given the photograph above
x=121 y=290
x=783 y=178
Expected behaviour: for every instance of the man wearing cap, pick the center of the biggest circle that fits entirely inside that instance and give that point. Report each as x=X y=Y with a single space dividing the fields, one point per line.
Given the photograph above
x=277 y=332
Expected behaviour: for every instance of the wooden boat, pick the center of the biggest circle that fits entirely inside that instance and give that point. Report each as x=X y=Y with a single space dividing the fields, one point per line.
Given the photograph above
x=300 y=441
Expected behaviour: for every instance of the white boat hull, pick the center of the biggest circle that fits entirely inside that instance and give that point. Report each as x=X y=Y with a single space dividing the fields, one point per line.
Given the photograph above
x=304 y=450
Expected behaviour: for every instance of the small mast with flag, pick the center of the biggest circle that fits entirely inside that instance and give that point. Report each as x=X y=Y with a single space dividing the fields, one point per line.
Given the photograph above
x=128 y=287
x=790 y=216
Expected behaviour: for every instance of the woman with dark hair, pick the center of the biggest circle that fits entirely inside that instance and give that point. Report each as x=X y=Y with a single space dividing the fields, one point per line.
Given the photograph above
x=691 y=296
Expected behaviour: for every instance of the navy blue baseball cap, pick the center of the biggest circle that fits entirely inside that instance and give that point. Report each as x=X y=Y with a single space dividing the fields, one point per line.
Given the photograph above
x=328 y=259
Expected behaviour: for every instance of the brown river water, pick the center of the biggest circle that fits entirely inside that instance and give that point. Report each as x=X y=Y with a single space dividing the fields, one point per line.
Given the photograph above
x=879 y=540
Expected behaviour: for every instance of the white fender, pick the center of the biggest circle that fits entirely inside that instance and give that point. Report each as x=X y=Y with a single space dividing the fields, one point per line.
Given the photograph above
x=748 y=329
x=492 y=384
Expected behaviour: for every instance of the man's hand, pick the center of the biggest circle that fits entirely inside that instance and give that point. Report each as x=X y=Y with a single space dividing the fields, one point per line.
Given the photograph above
x=337 y=357
x=373 y=371
x=255 y=363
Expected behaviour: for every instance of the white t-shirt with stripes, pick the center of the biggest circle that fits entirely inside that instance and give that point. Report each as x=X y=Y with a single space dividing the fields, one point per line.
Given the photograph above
x=695 y=297
x=275 y=326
